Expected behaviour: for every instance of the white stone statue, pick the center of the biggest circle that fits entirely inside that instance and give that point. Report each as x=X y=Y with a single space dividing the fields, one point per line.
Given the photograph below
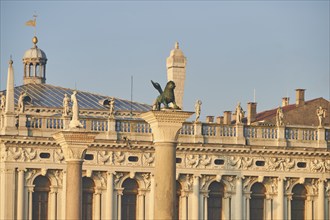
x=239 y=113
x=3 y=102
x=66 y=105
x=112 y=108
x=279 y=117
x=321 y=115
x=198 y=109
x=21 y=104
x=75 y=123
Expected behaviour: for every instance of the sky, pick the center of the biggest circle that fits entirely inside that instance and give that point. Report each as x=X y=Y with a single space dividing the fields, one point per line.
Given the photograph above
x=237 y=51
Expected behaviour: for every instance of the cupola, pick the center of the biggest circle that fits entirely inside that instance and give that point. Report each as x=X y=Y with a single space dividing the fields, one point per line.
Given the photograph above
x=34 y=61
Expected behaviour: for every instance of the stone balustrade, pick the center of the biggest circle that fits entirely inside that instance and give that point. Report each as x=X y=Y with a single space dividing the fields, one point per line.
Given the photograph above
x=290 y=136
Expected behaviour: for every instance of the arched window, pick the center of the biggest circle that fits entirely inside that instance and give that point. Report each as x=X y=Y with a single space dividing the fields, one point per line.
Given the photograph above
x=177 y=202
x=298 y=202
x=30 y=70
x=214 y=204
x=37 y=70
x=40 y=198
x=257 y=201
x=128 y=204
x=87 y=198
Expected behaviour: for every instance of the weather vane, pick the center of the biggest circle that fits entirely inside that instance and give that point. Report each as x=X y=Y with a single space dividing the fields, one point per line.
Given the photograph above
x=33 y=23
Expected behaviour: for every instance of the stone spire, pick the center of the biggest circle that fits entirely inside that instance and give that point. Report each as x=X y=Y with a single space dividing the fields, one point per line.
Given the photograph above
x=34 y=61
x=9 y=118
x=176 y=71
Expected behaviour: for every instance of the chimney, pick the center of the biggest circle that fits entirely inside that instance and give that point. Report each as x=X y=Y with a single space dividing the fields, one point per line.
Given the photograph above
x=300 y=97
x=285 y=101
x=251 y=112
x=209 y=119
x=219 y=120
x=227 y=117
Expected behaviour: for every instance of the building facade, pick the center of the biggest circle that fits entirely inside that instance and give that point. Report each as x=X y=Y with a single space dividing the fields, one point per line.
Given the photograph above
x=268 y=165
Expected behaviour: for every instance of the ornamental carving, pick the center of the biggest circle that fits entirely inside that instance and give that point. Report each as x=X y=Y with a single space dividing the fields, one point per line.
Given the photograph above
x=289 y=184
x=205 y=160
x=248 y=181
x=205 y=180
x=148 y=159
x=187 y=182
x=280 y=164
x=58 y=155
x=320 y=166
x=29 y=175
x=118 y=177
x=230 y=181
x=119 y=157
x=104 y=156
x=192 y=161
x=240 y=162
x=22 y=154
x=146 y=179
x=101 y=176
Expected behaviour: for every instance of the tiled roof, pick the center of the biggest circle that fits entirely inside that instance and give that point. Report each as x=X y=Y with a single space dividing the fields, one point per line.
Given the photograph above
x=272 y=113
x=49 y=96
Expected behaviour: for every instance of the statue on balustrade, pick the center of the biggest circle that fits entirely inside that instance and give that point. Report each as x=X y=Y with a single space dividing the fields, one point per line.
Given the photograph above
x=239 y=113
x=112 y=108
x=166 y=97
x=75 y=123
x=198 y=109
x=279 y=117
x=21 y=102
x=321 y=115
x=66 y=105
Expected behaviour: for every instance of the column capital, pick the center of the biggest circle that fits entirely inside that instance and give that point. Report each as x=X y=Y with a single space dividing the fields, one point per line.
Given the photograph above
x=74 y=143
x=165 y=123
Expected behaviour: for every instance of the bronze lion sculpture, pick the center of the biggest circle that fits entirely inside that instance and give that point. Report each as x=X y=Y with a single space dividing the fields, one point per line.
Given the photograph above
x=166 y=97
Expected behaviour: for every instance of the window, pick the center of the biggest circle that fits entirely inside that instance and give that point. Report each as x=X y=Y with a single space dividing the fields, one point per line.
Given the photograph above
x=87 y=198
x=298 y=202
x=177 y=202
x=214 y=204
x=40 y=198
x=128 y=205
x=257 y=201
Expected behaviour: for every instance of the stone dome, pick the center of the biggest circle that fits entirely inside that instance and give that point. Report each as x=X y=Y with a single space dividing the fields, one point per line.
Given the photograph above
x=35 y=52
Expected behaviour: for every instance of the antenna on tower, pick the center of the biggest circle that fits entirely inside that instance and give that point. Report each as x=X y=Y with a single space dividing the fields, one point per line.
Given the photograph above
x=131 y=113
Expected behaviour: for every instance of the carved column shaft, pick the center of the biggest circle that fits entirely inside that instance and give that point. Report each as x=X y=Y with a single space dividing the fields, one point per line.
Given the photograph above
x=195 y=198
x=109 y=195
x=280 y=199
x=321 y=201
x=20 y=194
x=239 y=193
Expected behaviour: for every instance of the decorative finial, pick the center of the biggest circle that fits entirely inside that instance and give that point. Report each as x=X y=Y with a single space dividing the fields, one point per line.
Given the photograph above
x=11 y=60
x=35 y=40
x=176 y=45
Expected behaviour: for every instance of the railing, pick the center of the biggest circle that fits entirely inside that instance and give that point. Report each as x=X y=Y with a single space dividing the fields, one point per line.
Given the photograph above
x=214 y=133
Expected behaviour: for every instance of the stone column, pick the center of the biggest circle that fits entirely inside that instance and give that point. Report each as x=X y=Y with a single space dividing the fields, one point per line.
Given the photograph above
x=74 y=144
x=97 y=203
x=20 y=194
x=321 y=201
x=119 y=195
x=205 y=194
x=165 y=126
x=184 y=205
x=247 y=197
x=239 y=199
x=280 y=199
x=288 y=203
x=7 y=192
x=198 y=137
x=142 y=202
x=240 y=139
x=53 y=203
x=109 y=196
x=195 y=198
x=30 y=190
x=152 y=196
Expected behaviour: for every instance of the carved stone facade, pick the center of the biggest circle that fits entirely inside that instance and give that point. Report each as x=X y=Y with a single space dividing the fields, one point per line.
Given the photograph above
x=237 y=157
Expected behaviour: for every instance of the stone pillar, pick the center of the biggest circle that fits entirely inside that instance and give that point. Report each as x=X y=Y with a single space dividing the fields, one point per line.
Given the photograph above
x=205 y=194
x=53 y=202
x=142 y=202
x=109 y=196
x=7 y=192
x=184 y=205
x=321 y=201
x=97 y=194
x=247 y=197
x=240 y=139
x=20 y=194
x=281 y=140
x=198 y=137
x=322 y=143
x=30 y=190
x=239 y=199
x=152 y=196
x=165 y=126
x=112 y=134
x=280 y=199
x=288 y=204
x=195 y=198
x=119 y=195
x=74 y=144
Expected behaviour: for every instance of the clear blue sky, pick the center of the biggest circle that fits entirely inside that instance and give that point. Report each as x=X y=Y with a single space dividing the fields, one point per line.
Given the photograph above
x=232 y=48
